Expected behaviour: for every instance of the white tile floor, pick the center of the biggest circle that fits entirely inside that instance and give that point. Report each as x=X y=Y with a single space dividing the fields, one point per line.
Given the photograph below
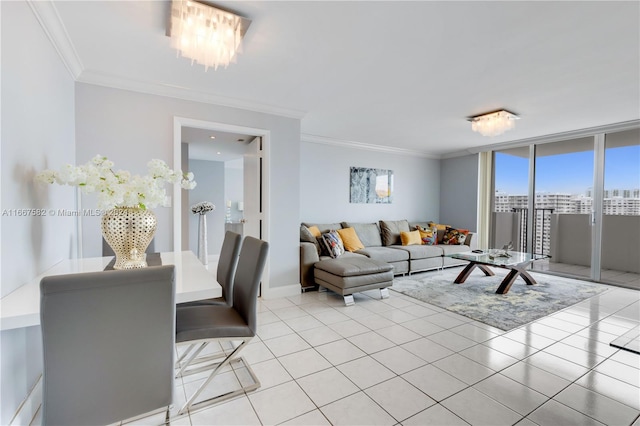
x=608 y=276
x=399 y=361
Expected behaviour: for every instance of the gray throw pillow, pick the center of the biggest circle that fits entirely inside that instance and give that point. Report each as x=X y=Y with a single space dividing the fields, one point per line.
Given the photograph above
x=307 y=236
x=368 y=233
x=391 y=230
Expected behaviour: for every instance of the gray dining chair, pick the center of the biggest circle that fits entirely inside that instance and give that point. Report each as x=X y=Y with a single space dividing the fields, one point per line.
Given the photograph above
x=227 y=263
x=108 y=345
x=221 y=323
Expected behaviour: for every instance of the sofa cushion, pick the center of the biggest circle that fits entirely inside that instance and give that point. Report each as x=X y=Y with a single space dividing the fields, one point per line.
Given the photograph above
x=421 y=252
x=450 y=249
x=333 y=243
x=369 y=233
x=410 y=238
x=391 y=231
x=350 y=239
x=324 y=227
x=384 y=254
x=353 y=266
x=307 y=237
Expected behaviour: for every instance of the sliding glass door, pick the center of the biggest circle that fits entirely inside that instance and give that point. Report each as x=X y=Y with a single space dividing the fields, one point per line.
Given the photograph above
x=576 y=201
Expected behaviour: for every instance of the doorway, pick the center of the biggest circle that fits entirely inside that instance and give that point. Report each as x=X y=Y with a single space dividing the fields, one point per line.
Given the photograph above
x=227 y=160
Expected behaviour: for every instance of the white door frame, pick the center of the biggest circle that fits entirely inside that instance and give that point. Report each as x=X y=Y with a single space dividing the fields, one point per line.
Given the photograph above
x=178 y=124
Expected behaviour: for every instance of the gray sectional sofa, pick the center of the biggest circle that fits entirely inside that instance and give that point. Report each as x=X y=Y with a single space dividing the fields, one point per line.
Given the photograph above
x=382 y=243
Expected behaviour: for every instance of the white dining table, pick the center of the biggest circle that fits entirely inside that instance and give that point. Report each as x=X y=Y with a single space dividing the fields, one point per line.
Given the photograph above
x=21 y=307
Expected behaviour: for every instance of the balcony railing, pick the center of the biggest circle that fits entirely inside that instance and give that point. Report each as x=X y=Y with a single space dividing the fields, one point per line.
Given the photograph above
x=541 y=229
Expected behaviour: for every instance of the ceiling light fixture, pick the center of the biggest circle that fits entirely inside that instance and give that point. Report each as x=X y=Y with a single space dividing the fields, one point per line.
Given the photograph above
x=205 y=34
x=493 y=123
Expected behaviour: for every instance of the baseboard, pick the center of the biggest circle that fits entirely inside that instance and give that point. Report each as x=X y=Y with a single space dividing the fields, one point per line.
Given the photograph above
x=282 y=291
x=29 y=407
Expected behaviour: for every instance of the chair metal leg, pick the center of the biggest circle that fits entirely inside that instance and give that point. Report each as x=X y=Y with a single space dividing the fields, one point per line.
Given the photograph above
x=191 y=405
x=191 y=358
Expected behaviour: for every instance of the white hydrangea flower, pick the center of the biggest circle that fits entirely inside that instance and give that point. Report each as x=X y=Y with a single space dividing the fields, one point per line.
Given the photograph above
x=121 y=188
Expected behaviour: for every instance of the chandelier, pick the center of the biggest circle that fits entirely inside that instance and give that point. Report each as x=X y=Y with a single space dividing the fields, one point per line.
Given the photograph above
x=205 y=34
x=493 y=123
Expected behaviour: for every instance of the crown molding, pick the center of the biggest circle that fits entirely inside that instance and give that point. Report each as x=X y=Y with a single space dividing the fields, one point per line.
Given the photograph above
x=50 y=21
x=322 y=140
x=180 y=92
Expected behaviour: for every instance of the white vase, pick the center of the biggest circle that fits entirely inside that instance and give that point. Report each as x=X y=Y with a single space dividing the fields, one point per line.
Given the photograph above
x=202 y=240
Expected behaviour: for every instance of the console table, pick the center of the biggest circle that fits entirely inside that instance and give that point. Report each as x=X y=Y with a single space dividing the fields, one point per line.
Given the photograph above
x=21 y=307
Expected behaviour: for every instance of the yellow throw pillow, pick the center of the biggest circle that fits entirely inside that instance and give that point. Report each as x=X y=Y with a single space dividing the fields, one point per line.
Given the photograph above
x=439 y=226
x=315 y=231
x=350 y=239
x=410 y=238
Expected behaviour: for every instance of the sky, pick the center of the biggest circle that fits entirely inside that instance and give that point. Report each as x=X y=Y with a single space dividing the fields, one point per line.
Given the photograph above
x=569 y=173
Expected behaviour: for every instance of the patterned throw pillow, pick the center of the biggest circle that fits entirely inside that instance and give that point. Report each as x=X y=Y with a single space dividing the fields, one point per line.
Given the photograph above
x=333 y=243
x=427 y=236
x=454 y=236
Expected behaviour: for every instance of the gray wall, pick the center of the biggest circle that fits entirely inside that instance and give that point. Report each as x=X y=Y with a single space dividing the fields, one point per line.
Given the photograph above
x=210 y=176
x=324 y=179
x=131 y=128
x=37 y=133
x=234 y=186
x=459 y=192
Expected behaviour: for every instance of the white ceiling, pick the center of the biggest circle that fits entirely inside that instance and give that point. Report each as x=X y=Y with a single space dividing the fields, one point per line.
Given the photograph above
x=387 y=73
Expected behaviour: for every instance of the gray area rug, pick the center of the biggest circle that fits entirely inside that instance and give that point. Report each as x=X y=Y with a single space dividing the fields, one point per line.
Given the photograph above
x=476 y=298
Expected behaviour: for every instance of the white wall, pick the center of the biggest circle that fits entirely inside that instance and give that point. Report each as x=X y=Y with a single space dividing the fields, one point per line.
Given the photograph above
x=324 y=180
x=131 y=128
x=37 y=133
x=210 y=176
x=459 y=192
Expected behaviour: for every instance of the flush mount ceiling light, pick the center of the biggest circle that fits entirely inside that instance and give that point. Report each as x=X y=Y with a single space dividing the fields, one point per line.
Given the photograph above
x=205 y=34
x=493 y=123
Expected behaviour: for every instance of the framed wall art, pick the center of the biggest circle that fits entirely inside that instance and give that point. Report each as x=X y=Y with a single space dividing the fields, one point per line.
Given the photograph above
x=371 y=186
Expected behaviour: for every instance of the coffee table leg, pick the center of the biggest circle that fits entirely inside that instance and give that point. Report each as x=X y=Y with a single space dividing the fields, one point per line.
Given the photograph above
x=464 y=274
x=508 y=280
x=527 y=278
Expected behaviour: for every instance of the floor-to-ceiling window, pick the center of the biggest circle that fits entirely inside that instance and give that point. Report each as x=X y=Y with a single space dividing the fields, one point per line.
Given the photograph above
x=576 y=201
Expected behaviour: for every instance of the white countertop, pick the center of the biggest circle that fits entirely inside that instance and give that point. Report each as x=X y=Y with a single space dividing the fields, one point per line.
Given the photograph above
x=21 y=307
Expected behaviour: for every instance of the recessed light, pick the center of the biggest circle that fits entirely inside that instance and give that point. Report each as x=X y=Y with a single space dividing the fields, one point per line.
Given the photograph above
x=219 y=153
x=212 y=137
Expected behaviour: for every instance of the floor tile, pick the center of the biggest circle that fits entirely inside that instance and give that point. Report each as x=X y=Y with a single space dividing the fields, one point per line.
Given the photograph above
x=273 y=330
x=535 y=378
x=399 y=398
x=598 y=406
x=478 y=409
x=340 y=351
x=437 y=384
x=628 y=358
x=327 y=386
x=330 y=317
x=375 y=322
x=371 y=342
x=612 y=388
x=313 y=418
x=516 y=396
x=398 y=334
x=554 y=413
x=547 y=331
x=451 y=340
x=349 y=328
x=270 y=373
x=280 y=403
x=306 y=322
x=445 y=321
x=589 y=345
x=510 y=347
x=290 y=312
x=398 y=359
x=302 y=363
x=558 y=366
x=573 y=354
x=235 y=412
x=256 y=351
x=397 y=316
x=285 y=345
x=470 y=331
x=419 y=311
x=464 y=369
x=357 y=409
x=427 y=349
x=528 y=338
x=436 y=415
x=422 y=326
x=620 y=371
x=366 y=372
x=488 y=357
x=319 y=336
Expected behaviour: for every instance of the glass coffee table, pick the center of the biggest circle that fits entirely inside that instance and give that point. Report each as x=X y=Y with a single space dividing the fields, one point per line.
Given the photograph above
x=516 y=263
